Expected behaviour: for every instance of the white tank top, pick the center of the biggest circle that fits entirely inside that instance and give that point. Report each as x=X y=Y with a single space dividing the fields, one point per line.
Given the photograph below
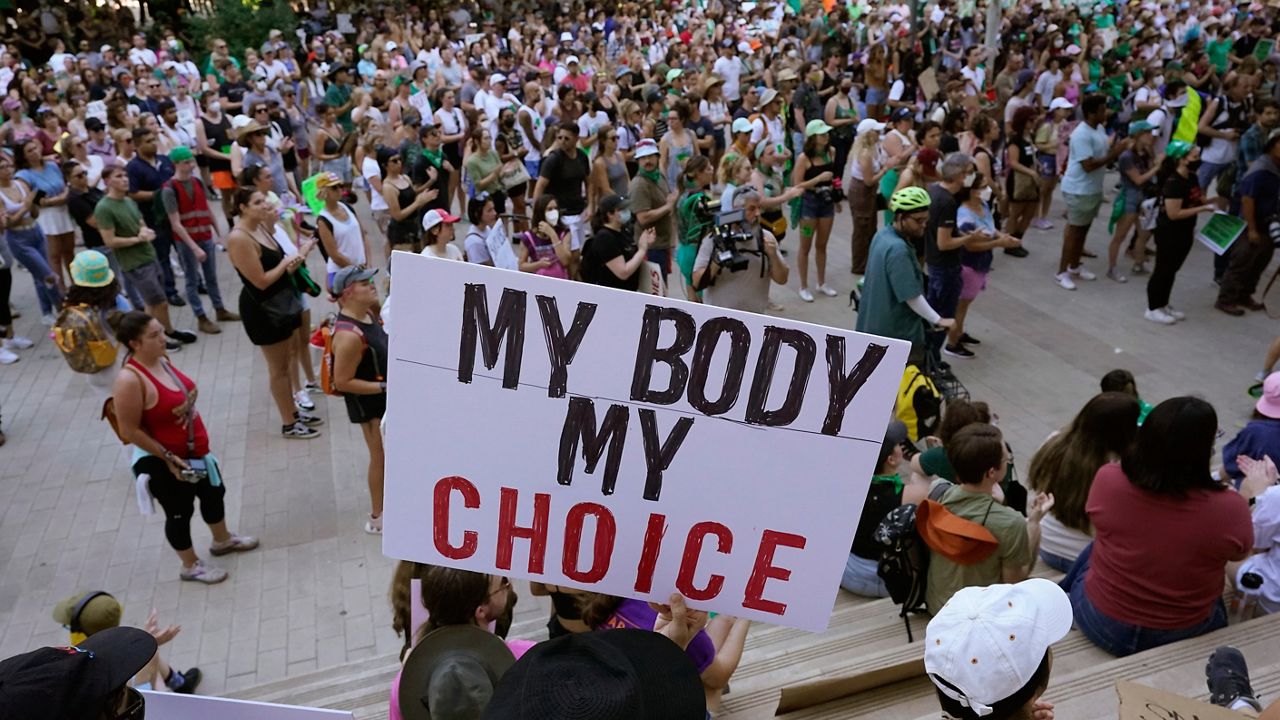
x=348 y=237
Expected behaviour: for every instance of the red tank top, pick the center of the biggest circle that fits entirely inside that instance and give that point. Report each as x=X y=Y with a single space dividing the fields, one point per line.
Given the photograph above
x=160 y=423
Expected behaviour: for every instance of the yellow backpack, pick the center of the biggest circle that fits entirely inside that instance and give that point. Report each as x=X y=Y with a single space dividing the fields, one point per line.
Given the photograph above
x=84 y=341
x=919 y=403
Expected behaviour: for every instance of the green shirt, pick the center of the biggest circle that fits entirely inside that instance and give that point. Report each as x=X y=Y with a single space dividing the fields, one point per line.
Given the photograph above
x=124 y=219
x=1008 y=526
x=209 y=68
x=893 y=277
x=645 y=195
x=480 y=165
x=1219 y=51
x=335 y=97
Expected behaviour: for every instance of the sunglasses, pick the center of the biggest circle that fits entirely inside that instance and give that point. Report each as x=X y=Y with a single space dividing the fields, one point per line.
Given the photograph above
x=504 y=585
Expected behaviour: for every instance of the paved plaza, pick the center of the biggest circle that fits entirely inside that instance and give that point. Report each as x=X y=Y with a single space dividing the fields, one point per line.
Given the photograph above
x=314 y=594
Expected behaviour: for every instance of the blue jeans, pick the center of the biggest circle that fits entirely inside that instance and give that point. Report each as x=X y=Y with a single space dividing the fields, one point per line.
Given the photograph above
x=163 y=244
x=860 y=578
x=1057 y=562
x=32 y=252
x=193 y=269
x=131 y=292
x=1207 y=173
x=1121 y=638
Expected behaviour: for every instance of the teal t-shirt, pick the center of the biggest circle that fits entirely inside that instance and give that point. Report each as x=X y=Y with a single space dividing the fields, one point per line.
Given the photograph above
x=893 y=277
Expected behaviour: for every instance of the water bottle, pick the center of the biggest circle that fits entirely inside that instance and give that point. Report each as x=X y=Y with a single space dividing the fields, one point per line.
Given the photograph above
x=1246 y=603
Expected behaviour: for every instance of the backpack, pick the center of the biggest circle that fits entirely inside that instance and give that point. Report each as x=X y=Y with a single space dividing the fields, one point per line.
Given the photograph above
x=904 y=561
x=84 y=341
x=323 y=338
x=919 y=403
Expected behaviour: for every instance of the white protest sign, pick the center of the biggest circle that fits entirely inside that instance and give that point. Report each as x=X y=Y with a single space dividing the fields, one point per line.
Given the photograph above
x=422 y=104
x=172 y=706
x=629 y=444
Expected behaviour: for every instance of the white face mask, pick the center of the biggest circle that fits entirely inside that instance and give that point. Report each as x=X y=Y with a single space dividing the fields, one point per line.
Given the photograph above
x=553 y=217
x=215 y=106
x=985 y=194
x=970 y=178
x=1057 y=42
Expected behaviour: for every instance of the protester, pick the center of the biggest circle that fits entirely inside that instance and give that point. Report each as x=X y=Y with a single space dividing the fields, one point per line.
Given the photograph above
x=360 y=370
x=818 y=205
x=976 y=671
x=747 y=287
x=886 y=492
x=1259 y=190
x=89 y=680
x=1138 y=168
x=611 y=258
x=193 y=226
x=25 y=238
x=1090 y=151
x=155 y=411
x=1181 y=200
x=1136 y=510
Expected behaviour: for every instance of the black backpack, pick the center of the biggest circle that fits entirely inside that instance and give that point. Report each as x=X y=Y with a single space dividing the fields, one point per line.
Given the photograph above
x=904 y=561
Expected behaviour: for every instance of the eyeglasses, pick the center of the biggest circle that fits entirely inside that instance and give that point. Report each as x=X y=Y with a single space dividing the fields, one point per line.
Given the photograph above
x=259 y=110
x=504 y=585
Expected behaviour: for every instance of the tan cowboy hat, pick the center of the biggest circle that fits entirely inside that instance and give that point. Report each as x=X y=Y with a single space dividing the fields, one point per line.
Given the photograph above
x=711 y=82
x=242 y=135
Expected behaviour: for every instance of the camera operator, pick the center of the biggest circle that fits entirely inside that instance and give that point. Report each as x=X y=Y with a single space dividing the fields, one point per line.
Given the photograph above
x=612 y=257
x=735 y=268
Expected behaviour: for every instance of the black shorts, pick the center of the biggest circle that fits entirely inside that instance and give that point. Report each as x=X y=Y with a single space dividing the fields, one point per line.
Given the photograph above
x=363 y=408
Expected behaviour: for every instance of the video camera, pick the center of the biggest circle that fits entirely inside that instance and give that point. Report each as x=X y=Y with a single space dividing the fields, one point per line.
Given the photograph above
x=725 y=252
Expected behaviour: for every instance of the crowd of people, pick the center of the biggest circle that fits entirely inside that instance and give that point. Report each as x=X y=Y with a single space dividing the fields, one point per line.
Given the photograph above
x=701 y=150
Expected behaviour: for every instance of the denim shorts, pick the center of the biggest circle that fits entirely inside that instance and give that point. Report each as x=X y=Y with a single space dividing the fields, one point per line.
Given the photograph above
x=860 y=578
x=943 y=291
x=813 y=207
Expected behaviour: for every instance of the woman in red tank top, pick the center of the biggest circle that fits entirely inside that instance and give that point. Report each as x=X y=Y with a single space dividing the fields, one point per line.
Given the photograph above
x=155 y=411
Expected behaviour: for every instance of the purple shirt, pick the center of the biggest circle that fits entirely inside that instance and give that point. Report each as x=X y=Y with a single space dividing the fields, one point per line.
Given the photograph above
x=637 y=614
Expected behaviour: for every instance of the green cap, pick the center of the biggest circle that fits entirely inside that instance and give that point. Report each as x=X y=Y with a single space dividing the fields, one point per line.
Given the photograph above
x=1138 y=127
x=816 y=127
x=1177 y=149
x=181 y=153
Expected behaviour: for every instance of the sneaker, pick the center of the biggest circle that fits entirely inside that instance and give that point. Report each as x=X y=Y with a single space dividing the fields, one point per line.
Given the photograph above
x=1018 y=252
x=8 y=357
x=373 y=525
x=207 y=326
x=226 y=316
x=1139 y=269
x=959 y=351
x=805 y=295
x=1114 y=274
x=1227 y=676
x=184 y=683
x=202 y=573
x=172 y=345
x=1080 y=273
x=1175 y=314
x=1042 y=224
x=1229 y=308
x=312 y=386
x=17 y=342
x=202 y=290
x=1064 y=281
x=1159 y=316
x=234 y=544
x=967 y=339
x=307 y=419
x=185 y=337
x=177 y=301
x=48 y=319
x=827 y=290
x=303 y=401
x=298 y=431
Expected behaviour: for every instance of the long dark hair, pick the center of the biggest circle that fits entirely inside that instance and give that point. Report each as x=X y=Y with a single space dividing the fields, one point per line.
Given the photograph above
x=1174 y=448
x=1066 y=464
x=597 y=608
x=103 y=298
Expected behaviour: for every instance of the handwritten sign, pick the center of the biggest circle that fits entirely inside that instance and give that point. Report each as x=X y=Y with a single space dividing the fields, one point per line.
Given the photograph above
x=627 y=443
x=173 y=706
x=422 y=104
x=1139 y=702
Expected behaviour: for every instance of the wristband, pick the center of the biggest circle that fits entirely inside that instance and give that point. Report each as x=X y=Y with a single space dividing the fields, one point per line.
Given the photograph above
x=382 y=386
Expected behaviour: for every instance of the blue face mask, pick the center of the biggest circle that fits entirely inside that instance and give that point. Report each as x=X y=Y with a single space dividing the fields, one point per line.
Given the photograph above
x=626 y=216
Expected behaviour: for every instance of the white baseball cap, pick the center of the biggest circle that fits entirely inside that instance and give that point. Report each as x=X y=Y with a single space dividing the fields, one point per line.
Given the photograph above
x=571 y=60
x=1061 y=104
x=986 y=643
x=645 y=148
x=566 y=36
x=741 y=125
x=869 y=124
x=497 y=78
x=432 y=218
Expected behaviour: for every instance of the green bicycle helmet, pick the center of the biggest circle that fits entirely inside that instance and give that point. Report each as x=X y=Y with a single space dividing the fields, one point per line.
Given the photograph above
x=909 y=199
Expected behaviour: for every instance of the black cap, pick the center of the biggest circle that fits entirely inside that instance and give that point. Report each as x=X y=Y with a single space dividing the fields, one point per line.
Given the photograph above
x=617 y=674
x=612 y=202
x=902 y=114
x=653 y=97
x=72 y=682
x=895 y=435
x=94 y=124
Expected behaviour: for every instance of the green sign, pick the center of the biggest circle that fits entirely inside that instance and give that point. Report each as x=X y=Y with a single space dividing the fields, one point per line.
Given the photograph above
x=1221 y=230
x=1262 y=51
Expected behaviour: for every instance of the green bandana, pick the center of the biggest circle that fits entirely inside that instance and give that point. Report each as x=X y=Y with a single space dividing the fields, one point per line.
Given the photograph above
x=895 y=479
x=653 y=175
x=435 y=157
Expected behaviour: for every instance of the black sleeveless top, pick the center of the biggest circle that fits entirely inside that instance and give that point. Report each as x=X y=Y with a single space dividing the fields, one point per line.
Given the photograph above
x=372 y=367
x=815 y=170
x=404 y=231
x=218 y=135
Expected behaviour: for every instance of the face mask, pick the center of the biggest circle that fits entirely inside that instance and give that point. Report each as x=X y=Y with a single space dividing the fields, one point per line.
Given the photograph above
x=215 y=107
x=985 y=194
x=553 y=217
x=1193 y=165
x=626 y=216
x=1159 y=80
x=1057 y=42
x=970 y=179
